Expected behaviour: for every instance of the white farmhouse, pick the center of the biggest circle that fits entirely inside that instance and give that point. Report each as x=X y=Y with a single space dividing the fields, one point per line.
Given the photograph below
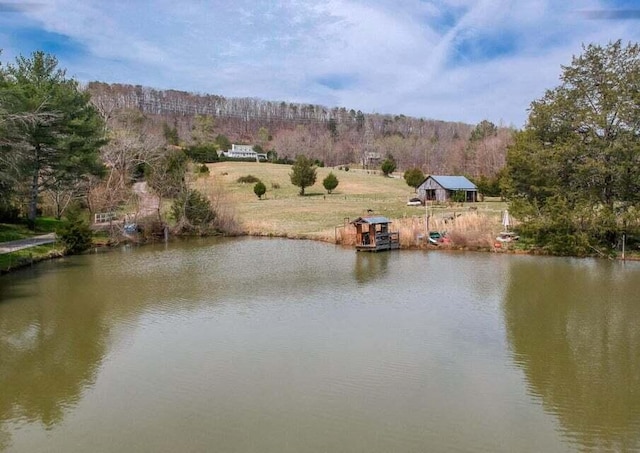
x=243 y=152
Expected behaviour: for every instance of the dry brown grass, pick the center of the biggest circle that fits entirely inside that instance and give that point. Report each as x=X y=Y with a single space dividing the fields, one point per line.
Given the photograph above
x=226 y=218
x=473 y=230
x=323 y=217
x=469 y=230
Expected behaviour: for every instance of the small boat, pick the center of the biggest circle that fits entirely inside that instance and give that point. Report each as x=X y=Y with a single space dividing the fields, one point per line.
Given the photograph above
x=437 y=237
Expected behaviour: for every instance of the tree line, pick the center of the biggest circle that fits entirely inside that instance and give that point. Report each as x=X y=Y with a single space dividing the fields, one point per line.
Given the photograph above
x=573 y=173
x=335 y=136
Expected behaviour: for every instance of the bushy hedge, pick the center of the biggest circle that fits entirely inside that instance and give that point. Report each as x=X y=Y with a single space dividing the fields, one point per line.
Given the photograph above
x=75 y=234
x=203 y=154
x=259 y=189
x=193 y=212
x=248 y=179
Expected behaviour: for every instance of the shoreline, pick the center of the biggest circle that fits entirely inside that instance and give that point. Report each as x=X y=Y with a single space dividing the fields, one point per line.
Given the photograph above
x=452 y=248
x=23 y=263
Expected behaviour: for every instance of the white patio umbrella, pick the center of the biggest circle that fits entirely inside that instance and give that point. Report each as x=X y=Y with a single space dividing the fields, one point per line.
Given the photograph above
x=506 y=221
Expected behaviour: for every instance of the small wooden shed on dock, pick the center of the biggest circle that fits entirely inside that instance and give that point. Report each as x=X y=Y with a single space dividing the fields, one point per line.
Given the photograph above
x=373 y=235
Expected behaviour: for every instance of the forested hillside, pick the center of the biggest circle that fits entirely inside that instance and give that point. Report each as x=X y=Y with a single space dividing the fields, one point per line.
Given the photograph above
x=336 y=136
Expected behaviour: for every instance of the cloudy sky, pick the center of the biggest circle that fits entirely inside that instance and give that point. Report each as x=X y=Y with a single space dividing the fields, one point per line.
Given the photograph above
x=457 y=60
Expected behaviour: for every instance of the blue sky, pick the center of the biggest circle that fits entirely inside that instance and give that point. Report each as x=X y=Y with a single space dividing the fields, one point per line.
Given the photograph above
x=454 y=60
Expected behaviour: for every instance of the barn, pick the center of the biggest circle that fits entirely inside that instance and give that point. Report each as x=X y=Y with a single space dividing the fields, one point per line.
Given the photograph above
x=444 y=188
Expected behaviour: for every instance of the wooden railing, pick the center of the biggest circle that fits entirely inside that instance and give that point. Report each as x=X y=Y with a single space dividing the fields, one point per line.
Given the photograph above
x=387 y=239
x=104 y=217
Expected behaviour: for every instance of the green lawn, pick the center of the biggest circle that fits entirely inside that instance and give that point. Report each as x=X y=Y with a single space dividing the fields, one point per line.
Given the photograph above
x=15 y=231
x=23 y=257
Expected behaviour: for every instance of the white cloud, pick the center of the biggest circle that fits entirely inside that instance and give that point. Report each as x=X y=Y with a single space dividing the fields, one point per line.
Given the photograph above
x=458 y=60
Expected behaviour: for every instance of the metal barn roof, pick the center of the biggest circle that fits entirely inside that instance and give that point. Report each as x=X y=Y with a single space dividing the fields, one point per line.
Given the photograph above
x=454 y=182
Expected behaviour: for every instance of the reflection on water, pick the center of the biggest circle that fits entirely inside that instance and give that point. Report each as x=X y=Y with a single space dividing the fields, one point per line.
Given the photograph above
x=574 y=328
x=49 y=353
x=286 y=346
x=370 y=266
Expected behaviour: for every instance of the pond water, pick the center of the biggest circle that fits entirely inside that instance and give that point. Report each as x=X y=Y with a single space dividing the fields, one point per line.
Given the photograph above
x=269 y=345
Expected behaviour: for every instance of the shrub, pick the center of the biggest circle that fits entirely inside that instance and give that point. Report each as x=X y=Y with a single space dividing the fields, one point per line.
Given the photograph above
x=192 y=211
x=203 y=153
x=459 y=196
x=203 y=170
x=141 y=170
x=330 y=182
x=148 y=229
x=75 y=233
x=248 y=179
x=388 y=166
x=414 y=177
x=275 y=185
x=259 y=189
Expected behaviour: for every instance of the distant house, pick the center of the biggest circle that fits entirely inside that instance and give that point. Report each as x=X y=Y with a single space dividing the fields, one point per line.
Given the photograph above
x=443 y=188
x=372 y=158
x=243 y=152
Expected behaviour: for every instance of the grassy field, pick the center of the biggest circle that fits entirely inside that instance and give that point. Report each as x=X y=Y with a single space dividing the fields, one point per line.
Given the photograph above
x=282 y=212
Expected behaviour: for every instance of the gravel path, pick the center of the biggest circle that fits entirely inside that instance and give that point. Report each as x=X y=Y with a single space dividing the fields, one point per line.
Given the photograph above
x=148 y=203
x=12 y=246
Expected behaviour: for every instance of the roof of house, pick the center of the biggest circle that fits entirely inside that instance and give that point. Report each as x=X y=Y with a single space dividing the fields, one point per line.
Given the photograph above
x=372 y=220
x=453 y=182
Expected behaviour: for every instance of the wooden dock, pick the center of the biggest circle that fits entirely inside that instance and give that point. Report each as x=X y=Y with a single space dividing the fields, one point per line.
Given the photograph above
x=373 y=235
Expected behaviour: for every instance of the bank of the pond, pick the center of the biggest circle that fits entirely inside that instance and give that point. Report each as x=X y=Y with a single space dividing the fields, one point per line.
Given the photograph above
x=20 y=259
x=27 y=257
x=513 y=248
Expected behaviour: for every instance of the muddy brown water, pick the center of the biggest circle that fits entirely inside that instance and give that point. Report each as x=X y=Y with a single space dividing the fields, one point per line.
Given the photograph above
x=259 y=345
